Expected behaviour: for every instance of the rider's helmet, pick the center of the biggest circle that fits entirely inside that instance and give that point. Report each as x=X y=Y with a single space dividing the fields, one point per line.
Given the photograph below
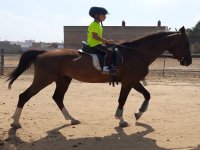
x=96 y=11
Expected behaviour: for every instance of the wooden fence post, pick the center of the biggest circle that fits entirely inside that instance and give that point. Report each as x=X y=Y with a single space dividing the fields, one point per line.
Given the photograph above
x=2 y=62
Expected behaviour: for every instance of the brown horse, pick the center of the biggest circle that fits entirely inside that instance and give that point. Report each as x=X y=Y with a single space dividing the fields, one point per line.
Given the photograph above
x=62 y=65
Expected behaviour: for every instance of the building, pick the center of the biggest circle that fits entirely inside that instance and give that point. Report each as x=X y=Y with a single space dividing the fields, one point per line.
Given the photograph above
x=74 y=35
x=26 y=43
x=10 y=48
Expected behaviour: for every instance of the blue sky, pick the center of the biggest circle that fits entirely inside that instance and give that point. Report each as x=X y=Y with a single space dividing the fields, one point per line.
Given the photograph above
x=43 y=20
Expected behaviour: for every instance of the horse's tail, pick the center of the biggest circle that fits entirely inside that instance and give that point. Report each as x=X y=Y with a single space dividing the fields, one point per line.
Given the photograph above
x=25 y=62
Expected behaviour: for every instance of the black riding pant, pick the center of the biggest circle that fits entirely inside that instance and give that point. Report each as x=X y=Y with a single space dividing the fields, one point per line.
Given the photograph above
x=103 y=52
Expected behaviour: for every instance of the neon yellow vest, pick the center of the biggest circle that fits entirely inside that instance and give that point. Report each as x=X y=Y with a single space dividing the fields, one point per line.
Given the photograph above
x=96 y=28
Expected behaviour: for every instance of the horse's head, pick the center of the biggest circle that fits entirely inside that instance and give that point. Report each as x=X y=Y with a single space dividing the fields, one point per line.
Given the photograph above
x=180 y=47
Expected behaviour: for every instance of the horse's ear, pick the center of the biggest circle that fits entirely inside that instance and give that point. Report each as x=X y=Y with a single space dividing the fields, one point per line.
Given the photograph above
x=182 y=30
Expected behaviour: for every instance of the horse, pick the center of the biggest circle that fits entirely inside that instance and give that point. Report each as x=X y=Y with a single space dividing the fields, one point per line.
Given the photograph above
x=63 y=65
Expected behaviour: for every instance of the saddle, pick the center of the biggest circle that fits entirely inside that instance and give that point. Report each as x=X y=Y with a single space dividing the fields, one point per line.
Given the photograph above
x=117 y=60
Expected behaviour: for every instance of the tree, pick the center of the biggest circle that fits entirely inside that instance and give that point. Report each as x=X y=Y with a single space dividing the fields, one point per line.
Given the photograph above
x=54 y=45
x=195 y=31
x=194 y=36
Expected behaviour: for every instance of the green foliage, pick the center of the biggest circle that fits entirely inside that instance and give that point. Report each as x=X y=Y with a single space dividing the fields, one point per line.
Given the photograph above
x=194 y=34
x=54 y=45
x=195 y=31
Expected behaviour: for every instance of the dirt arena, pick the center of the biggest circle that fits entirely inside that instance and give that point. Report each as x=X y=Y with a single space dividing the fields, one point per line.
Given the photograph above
x=172 y=121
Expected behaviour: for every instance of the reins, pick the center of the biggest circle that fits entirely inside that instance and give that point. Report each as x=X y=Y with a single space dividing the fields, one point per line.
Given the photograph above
x=164 y=56
x=119 y=45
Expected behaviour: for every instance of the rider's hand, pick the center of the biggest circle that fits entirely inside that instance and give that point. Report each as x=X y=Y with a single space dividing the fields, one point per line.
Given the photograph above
x=109 y=42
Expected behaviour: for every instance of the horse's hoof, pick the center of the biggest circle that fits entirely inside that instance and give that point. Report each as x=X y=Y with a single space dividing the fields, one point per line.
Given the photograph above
x=137 y=116
x=75 y=122
x=123 y=124
x=15 y=126
x=1 y=142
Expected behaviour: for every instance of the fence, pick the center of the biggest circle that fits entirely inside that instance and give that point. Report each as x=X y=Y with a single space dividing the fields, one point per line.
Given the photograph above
x=2 y=62
x=8 y=62
x=162 y=66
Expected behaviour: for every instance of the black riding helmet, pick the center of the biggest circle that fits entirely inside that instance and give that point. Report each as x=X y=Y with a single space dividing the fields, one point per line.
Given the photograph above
x=97 y=11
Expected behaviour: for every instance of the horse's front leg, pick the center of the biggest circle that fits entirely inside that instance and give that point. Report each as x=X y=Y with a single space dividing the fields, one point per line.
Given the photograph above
x=138 y=87
x=125 y=89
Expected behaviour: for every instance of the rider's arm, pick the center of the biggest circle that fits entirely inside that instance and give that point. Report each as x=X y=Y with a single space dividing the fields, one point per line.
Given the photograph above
x=96 y=37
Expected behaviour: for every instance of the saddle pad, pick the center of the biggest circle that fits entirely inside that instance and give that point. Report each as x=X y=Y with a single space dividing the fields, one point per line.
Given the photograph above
x=95 y=60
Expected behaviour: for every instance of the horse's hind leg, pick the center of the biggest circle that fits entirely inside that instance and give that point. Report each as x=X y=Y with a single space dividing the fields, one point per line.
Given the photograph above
x=138 y=87
x=61 y=87
x=38 y=84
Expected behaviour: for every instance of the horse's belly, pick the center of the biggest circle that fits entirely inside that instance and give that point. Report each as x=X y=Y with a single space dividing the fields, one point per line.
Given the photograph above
x=90 y=77
x=85 y=73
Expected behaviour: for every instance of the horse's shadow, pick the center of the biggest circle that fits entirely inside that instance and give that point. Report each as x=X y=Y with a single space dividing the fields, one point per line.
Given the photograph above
x=56 y=140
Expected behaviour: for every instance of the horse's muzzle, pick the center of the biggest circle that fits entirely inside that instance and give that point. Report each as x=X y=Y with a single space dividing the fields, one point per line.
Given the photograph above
x=186 y=61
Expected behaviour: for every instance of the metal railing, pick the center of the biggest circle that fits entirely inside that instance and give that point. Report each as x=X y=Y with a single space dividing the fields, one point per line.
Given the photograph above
x=10 y=61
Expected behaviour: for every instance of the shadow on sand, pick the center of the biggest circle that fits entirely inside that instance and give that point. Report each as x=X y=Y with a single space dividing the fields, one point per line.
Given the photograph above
x=57 y=141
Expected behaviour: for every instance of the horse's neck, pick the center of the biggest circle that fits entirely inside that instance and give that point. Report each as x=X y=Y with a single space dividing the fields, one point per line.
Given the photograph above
x=153 y=50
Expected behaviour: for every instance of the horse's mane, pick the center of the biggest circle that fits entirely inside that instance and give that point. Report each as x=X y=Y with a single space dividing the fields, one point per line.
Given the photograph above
x=151 y=36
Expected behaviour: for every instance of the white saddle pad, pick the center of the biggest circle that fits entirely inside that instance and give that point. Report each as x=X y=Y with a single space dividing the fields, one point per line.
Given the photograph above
x=95 y=60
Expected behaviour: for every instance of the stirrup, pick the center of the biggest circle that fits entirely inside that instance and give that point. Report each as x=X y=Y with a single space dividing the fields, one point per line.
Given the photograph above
x=105 y=70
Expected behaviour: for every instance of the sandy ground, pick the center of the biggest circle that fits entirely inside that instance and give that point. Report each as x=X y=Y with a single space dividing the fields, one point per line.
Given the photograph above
x=171 y=122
